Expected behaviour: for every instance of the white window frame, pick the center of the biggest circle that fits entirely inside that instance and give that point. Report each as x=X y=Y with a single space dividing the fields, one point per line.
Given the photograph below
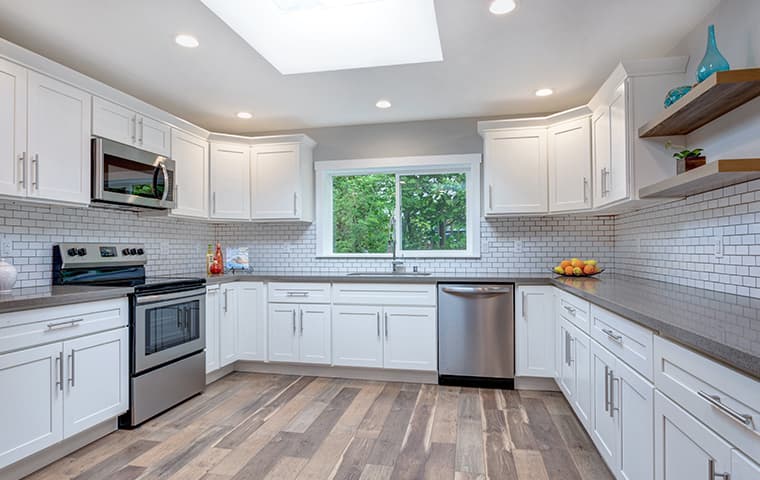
x=469 y=164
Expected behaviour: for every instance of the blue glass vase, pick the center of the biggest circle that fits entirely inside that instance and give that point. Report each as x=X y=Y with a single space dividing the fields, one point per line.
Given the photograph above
x=713 y=60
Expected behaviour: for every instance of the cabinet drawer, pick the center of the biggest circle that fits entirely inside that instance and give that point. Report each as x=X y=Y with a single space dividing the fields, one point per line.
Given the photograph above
x=36 y=327
x=299 y=292
x=629 y=342
x=573 y=309
x=384 y=294
x=724 y=400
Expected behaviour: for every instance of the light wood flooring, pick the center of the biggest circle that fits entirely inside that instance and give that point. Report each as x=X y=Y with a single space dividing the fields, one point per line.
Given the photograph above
x=253 y=426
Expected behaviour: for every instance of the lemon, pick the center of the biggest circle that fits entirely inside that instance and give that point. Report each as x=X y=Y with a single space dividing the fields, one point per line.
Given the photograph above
x=590 y=262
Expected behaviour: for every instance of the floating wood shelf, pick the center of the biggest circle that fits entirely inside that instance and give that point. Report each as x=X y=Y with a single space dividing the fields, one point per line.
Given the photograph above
x=714 y=175
x=716 y=96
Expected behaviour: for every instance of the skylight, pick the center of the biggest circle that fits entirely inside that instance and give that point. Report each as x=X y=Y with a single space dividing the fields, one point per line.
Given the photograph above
x=301 y=36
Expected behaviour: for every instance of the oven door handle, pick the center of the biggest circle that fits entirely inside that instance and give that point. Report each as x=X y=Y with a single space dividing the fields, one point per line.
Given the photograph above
x=160 y=297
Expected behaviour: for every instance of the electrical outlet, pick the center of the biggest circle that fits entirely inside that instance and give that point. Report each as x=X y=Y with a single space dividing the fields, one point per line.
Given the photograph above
x=6 y=246
x=718 y=243
x=518 y=246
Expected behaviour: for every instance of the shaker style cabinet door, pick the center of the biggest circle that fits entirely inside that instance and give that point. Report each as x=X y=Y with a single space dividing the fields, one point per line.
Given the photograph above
x=191 y=182
x=213 y=307
x=230 y=182
x=275 y=182
x=570 y=166
x=113 y=122
x=31 y=404
x=13 y=154
x=357 y=336
x=252 y=321
x=534 y=331
x=228 y=325
x=314 y=334
x=410 y=338
x=283 y=332
x=59 y=141
x=153 y=136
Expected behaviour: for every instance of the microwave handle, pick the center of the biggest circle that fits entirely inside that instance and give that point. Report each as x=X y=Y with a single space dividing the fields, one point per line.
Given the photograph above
x=165 y=173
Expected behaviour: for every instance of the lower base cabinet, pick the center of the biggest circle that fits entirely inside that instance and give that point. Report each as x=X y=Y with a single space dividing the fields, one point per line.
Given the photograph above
x=575 y=369
x=357 y=336
x=299 y=333
x=534 y=331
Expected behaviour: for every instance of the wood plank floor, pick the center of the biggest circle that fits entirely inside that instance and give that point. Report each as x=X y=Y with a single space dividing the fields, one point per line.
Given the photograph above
x=252 y=426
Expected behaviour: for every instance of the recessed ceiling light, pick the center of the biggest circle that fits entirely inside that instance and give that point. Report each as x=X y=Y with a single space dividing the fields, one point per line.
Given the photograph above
x=383 y=104
x=500 y=7
x=544 y=92
x=187 y=41
x=244 y=115
x=302 y=36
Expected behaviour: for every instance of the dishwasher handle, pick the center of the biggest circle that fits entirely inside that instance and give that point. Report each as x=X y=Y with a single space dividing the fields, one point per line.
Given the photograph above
x=475 y=290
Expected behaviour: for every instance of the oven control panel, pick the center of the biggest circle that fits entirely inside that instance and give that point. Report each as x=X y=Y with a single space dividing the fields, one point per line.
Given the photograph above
x=100 y=254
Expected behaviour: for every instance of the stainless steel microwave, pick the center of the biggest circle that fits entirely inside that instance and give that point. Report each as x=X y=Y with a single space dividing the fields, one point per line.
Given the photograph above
x=125 y=175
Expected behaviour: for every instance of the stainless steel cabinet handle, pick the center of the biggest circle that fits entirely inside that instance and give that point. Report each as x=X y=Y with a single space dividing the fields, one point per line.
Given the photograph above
x=140 y=122
x=570 y=310
x=386 y=325
x=524 y=305
x=585 y=189
x=65 y=324
x=297 y=294
x=378 y=325
x=606 y=388
x=36 y=163
x=22 y=161
x=71 y=367
x=711 y=475
x=715 y=401
x=490 y=197
x=302 y=323
x=59 y=376
x=134 y=128
x=613 y=408
x=225 y=300
x=294 y=322
x=611 y=334
x=295 y=204
x=567 y=348
x=572 y=342
x=213 y=202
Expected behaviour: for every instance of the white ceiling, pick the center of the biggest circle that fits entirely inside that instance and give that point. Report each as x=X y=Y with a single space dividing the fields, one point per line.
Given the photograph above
x=492 y=64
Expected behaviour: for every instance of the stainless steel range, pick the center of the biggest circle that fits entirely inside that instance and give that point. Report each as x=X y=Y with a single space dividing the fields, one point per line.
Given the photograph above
x=167 y=323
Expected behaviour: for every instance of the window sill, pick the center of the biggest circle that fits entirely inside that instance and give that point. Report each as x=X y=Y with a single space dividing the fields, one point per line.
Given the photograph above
x=375 y=256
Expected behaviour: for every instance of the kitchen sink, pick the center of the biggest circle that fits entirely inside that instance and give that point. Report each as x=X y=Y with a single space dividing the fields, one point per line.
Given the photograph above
x=388 y=274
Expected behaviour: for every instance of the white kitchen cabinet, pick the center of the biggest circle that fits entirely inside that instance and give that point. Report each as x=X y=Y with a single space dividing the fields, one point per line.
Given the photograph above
x=575 y=371
x=228 y=325
x=97 y=379
x=191 y=175
x=230 y=182
x=126 y=126
x=569 y=150
x=282 y=332
x=252 y=321
x=213 y=307
x=604 y=423
x=742 y=468
x=13 y=157
x=410 y=338
x=31 y=404
x=282 y=180
x=611 y=172
x=534 y=331
x=58 y=165
x=515 y=171
x=357 y=336
x=314 y=344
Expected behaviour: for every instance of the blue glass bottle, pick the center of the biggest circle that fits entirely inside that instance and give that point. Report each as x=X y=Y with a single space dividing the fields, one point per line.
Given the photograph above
x=713 y=60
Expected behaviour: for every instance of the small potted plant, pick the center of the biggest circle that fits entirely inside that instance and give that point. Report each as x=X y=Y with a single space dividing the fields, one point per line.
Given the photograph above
x=687 y=159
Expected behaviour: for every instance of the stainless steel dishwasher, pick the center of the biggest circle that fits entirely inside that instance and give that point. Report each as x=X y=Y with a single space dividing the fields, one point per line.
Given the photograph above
x=476 y=335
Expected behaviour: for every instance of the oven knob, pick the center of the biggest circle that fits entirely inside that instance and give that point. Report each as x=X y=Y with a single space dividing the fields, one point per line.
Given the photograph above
x=82 y=252
x=133 y=251
x=72 y=252
x=125 y=251
x=140 y=251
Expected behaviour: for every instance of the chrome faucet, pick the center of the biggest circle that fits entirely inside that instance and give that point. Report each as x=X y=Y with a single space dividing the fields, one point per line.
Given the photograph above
x=398 y=265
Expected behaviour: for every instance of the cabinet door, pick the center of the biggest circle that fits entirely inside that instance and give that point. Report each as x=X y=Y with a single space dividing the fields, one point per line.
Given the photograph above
x=13 y=162
x=191 y=175
x=282 y=332
x=515 y=171
x=534 y=331
x=410 y=338
x=31 y=404
x=113 y=122
x=59 y=141
x=357 y=336
x=604 y=420
x=567 y=369
x=252 y=321
x=275 y=182
x=616 y=181
x=684 y=449
x=600 y=140
x=153 y=136
x=212 y=329
x=633 y=402
x=570 y=166
x=742 y=468
x=228 y=325
x=230 y=182
x=97 y=376
x=581 y=359
x=314 y=331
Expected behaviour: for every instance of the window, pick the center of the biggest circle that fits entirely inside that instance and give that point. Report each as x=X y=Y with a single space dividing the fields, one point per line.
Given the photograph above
x=419 y=206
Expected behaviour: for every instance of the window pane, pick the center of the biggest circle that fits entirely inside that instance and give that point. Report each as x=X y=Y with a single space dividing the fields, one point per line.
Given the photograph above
x=434 y=211
x=362 y=209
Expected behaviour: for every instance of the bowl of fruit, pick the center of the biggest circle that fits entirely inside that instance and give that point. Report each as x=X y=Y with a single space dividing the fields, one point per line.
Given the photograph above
x=577 y=268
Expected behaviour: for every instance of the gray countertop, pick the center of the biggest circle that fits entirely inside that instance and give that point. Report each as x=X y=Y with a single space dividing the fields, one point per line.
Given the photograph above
x=519 y=278
x=52 y=296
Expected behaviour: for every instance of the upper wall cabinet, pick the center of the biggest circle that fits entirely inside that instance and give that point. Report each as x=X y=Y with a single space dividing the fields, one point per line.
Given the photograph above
x=44 y=137
x=230 y=181
x=570 y=165
x=191 y=188
x=515 y=171
x=123 y=125
x=282 y=179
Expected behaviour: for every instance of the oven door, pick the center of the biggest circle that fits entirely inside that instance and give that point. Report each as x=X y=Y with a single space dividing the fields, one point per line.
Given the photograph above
x=127 y=175
x=168 y=326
